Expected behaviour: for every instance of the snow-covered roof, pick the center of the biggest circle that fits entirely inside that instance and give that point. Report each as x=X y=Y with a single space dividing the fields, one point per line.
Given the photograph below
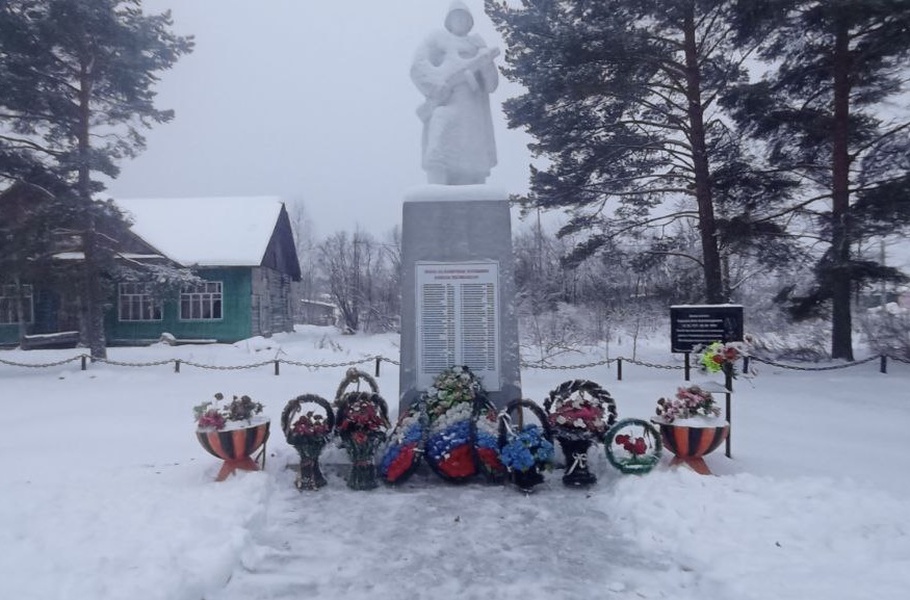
x=222 y=231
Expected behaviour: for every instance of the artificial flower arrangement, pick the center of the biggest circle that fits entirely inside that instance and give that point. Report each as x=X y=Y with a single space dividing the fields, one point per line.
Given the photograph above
x=362 y=427
x=455 y=404
x=401 y=456
x=526 y=449
x=238 y=413
x=486 y=442
x=449 y=448
x=633 y=446
x=308 y=433
x=580 y=409
x=232 y=432
x=362 y=423
x=453 y=387
x=311 y=426
x=689 y=403
x=715 y=357
x=691 y=426
x=580 y=413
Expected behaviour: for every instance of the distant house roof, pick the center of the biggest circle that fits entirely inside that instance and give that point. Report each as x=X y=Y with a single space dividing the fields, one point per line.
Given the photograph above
x=221 y=231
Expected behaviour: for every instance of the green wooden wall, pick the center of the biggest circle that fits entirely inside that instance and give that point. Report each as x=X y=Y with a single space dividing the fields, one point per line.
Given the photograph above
x=9 y=334
x=234 y=325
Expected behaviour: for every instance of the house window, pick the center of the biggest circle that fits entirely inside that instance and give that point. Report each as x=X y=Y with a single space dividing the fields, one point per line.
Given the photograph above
x=137 y=304
x=9 y=313
x=201 y=301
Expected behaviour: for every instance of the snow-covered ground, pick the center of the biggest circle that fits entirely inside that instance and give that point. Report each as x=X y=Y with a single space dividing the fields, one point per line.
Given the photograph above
x=106 y=494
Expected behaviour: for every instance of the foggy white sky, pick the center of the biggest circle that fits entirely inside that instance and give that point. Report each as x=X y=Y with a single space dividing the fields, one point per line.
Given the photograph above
x=305 y=99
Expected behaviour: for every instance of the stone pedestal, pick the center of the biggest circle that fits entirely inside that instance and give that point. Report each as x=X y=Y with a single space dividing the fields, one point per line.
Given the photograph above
x=458 y=290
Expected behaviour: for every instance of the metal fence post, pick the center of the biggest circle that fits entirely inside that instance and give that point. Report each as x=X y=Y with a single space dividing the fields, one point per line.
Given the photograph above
x=728 y=383
x=619 y=369
x=883 y=365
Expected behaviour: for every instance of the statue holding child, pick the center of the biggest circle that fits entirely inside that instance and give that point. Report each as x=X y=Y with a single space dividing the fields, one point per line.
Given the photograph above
x=454 y=70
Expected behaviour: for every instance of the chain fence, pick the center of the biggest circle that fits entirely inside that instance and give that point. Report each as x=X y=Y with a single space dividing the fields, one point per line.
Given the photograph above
x=43 y=365
x=378 y=359
x=848 y=365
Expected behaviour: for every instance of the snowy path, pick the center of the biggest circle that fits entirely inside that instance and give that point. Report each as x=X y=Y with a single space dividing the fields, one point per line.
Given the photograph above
x=429 y=539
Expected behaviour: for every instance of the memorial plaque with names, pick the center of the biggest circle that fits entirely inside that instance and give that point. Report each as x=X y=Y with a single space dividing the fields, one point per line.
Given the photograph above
x=692 y=326
x=458 y=320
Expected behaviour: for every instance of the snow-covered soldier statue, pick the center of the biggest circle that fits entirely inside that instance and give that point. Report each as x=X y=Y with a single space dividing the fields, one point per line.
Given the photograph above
x=454 y=69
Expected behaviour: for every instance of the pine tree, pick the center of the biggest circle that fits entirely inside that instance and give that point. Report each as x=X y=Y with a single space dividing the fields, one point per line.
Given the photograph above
x=77 y=81
x=622 y=99
x=822 y=113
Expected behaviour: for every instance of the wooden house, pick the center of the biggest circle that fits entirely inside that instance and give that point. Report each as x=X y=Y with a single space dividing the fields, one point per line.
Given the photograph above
x=241 y=249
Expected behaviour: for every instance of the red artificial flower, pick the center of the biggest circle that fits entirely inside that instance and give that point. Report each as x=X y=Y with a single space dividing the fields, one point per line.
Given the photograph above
x=211 y=418
x=459 y=463
x=401 y=464
x=489 y=458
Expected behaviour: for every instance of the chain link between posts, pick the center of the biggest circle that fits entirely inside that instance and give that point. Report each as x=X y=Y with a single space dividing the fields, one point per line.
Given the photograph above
x=43 y=365
x=828 y=368
x=542 y=365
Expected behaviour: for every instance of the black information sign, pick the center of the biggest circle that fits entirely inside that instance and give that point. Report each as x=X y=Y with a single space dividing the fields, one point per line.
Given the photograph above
x=697 y=325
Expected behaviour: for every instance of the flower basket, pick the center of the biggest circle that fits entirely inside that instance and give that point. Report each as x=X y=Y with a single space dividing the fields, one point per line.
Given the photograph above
x=401 y=456
x=232 y=432
x=308 y=432
x=450 y=447
x=633 y=446
x=354 y=377
x=580 y=413
x=362 y=422
x=525 y=450
x=691 y=427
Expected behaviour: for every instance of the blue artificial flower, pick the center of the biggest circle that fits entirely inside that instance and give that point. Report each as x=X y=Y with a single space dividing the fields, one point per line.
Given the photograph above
x=412 y=435
x=527 y=449
x=442 y=442
x=486 y=439
x=390 y=456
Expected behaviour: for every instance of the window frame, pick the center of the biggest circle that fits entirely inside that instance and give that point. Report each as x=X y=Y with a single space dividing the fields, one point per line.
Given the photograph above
x=146 y=303
x=211 y=297
x=8 y=304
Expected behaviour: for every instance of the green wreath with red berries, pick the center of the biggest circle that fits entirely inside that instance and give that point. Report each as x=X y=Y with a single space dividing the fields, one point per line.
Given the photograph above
x=633 y=446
